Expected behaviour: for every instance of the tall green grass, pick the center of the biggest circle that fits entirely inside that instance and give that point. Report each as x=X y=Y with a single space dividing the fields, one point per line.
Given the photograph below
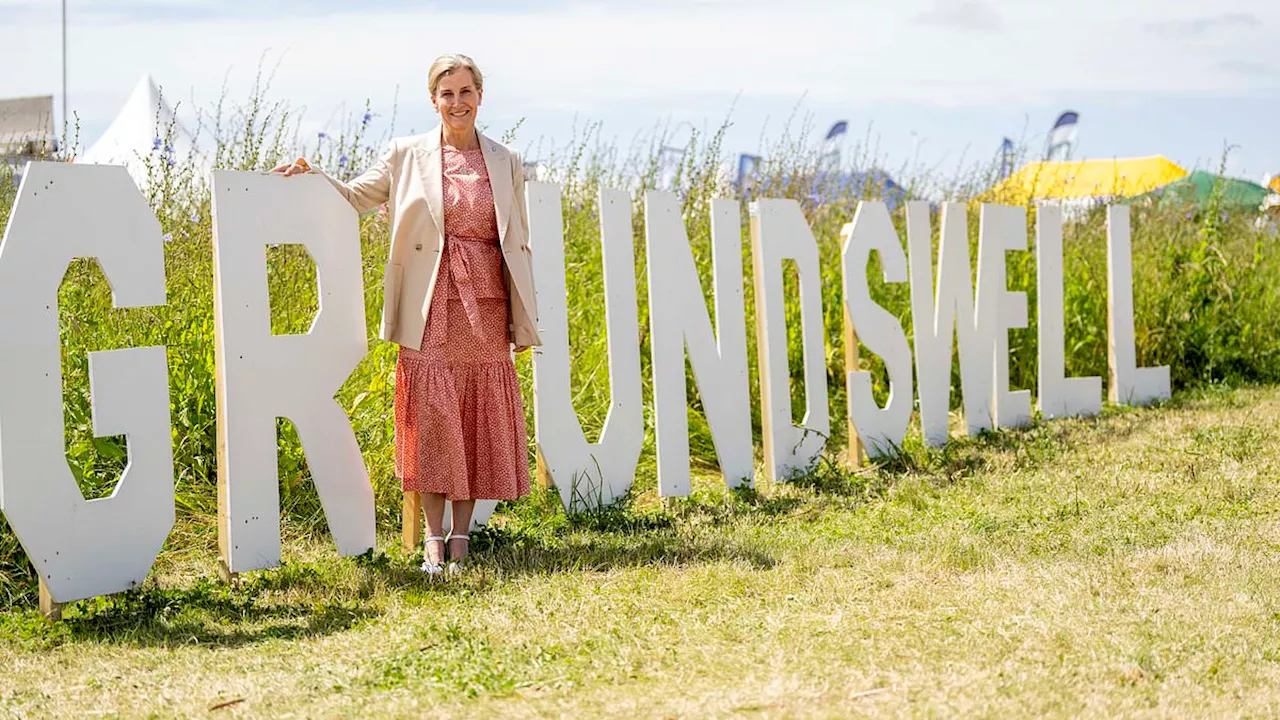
x=1204 y=299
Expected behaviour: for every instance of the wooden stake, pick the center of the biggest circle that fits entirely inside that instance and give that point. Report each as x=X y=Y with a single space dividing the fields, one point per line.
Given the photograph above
x=224 y=572
x=220 y=434
x=762 y=349
x=411 y=522
x=1113 y=386
x=854 y=453
x=544 y=475
x=49 y=608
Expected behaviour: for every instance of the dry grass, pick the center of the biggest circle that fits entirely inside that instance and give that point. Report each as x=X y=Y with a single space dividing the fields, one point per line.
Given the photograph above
x=1122 y=566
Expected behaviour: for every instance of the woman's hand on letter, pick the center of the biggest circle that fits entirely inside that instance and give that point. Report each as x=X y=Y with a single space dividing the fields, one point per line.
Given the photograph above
x=297 y=167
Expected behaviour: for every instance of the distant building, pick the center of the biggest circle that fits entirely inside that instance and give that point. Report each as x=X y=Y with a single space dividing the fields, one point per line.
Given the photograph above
x=26 y=130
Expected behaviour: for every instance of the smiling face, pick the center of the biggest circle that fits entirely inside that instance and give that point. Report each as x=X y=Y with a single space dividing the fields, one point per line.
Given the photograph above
x=457 y=99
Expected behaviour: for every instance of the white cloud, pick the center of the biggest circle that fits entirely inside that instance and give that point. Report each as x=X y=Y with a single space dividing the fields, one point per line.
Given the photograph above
x=1197 y=26
x=583 y=55
x=974 y=15
x=684 y=58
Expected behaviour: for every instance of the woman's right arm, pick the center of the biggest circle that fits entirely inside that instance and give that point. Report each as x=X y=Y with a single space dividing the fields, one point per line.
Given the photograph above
x=365 y=192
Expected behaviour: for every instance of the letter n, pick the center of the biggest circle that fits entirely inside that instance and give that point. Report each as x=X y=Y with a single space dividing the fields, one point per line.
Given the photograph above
x=679 y=320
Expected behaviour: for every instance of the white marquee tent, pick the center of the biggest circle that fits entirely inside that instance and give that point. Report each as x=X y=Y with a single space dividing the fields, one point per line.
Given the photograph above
x=139 y=132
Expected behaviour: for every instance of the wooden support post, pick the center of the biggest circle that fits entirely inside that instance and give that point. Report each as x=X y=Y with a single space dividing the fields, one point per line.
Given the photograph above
x=411 y=522
x=543 y=474
x=854 y=452
x=49 y=608
x=225 y=574
x=220 y=434
x=1113 y=382
x=762 y=349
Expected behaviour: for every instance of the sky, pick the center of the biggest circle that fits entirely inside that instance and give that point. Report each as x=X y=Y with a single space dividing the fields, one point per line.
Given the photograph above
x=932 y=84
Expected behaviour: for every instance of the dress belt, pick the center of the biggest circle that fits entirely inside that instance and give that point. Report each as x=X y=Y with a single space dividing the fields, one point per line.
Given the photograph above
x=458 y=265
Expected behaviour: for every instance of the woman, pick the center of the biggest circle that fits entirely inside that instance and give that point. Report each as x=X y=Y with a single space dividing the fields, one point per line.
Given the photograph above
x=458 y=294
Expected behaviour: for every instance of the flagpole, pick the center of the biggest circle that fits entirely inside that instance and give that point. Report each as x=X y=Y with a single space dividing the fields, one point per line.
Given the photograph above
x=64 y=70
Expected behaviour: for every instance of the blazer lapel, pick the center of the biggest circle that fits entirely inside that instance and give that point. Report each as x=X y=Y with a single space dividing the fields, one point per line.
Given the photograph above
x=433 y=168
x=498 y=162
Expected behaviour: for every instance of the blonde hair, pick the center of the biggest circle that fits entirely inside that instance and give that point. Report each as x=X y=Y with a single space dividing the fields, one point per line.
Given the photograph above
x=446 y=64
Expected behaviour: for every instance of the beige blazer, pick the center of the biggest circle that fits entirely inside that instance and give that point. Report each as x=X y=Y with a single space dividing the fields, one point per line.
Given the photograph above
x=408 y=178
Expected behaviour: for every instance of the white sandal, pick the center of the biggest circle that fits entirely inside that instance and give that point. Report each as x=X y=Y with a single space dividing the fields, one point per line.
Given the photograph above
x=429 y=567
x=455 y=566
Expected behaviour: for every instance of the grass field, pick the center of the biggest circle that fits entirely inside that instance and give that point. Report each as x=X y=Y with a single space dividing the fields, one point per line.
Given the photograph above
x=1204 y=299
x=1119 y=566
x=1115 y=566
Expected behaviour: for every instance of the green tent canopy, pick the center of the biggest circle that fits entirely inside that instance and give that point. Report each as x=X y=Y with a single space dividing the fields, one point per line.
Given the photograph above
x=1197 y=188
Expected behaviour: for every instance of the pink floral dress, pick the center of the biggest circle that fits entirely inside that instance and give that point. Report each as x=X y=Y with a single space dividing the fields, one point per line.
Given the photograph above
x=459 y=416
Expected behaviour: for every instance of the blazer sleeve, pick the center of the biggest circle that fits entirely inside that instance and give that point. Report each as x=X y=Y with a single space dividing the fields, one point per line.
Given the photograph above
x=371 y=188
x=517 y=185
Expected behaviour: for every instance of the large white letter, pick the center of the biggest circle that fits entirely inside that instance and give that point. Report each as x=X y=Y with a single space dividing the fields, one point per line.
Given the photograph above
x=881 y=431
x=1002 y=228
x=678 y=319
x=261 y=377
x=602 y=472
x=779 y=232
x=1060 y=396
x=1129 y=384
x=82 y=548
x=933 y=322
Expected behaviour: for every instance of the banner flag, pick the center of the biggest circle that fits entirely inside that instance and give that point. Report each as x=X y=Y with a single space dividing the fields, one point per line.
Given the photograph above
x=1062 y=137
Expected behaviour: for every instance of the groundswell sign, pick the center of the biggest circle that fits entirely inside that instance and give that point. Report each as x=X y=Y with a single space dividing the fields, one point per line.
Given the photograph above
x=82 y=548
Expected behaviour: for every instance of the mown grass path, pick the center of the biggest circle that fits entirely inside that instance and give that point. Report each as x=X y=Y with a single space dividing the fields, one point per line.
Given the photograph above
x=1123 y=566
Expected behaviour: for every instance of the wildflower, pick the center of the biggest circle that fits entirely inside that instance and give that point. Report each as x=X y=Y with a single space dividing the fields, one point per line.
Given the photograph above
x=322 y=135
x=155 y=144
x=171 y=162
x=168 y=148
x=367 y=117
x=168 y=237
x=342 y=161
x=195 y=217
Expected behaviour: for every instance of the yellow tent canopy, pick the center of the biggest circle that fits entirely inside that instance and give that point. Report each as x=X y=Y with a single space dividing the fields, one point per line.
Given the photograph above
x=1275 y=184
x=1124 y=177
